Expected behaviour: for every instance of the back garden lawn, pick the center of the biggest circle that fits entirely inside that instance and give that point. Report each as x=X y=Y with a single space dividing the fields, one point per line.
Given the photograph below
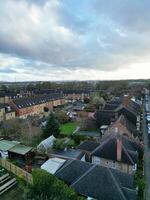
x=68 y=128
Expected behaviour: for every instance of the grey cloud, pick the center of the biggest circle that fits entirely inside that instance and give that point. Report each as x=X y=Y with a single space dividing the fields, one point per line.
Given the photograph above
x=133 y=15
x=7 y=71
x=50 y=36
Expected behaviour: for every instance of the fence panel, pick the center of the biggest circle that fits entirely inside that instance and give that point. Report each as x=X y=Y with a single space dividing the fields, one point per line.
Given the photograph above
x=16 y=170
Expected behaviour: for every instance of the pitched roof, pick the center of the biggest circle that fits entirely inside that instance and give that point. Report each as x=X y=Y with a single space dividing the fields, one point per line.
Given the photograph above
x=110 y=106
x=128 y=108
x=97 y=181
x=70 y=153
x=108 y=149
x=5 y=145
x=53 y=164
x=72 y=170
x=8 y=108
x=88 y=145
x=35 y=100
x=129 y=125
x=20 y=149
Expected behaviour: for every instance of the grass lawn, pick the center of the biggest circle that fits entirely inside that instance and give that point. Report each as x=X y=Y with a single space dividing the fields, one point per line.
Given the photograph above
x=15 y=193
x=68 y=128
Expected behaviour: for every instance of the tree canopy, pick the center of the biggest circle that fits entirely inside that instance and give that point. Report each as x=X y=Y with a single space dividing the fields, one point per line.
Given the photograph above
x=47 y=187
x=52 y=127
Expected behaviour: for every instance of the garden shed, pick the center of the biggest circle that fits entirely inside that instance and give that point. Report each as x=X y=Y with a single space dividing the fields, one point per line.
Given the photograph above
x=20 y=152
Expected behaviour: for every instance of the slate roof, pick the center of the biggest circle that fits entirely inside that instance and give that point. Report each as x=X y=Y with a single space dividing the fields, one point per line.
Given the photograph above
x=72 y=170
x=97 y=182
x=9 y=94
x=116 y=100
x=128 y=108
x=110 y=106
x=70 y=153
x=108 y=150
x=88 y=145
x=93 y=134
x=77 y=91
x=129 y=125
x=35 y=100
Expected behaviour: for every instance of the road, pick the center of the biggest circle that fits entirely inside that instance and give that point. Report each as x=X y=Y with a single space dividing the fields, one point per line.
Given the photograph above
x=146 y=157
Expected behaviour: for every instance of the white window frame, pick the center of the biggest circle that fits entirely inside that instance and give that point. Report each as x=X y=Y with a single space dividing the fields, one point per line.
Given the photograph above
x=113 y=164
x=96 y=160
x=134 y=167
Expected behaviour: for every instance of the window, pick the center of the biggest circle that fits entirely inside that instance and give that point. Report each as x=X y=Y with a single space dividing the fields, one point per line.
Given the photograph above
x=96 y=160
x=134 y=167
x=114 y=165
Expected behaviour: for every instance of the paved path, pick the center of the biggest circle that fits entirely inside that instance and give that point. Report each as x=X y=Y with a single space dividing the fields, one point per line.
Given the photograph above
x=146 y=158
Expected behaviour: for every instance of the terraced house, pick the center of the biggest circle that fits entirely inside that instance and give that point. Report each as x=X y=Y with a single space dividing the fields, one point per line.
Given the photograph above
x=36 y=104
x=7 y=112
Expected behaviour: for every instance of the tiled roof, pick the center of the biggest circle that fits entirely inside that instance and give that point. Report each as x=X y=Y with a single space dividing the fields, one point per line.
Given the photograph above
x=110 y=106
x=72 y=170
x=97 y=182
x=88 y=145
x=108 y=149
x=128 y=124
x=70 y=153
x=35 y=100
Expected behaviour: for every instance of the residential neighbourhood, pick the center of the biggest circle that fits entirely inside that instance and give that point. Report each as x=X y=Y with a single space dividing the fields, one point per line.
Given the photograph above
x=95 y=147
x=74 y=100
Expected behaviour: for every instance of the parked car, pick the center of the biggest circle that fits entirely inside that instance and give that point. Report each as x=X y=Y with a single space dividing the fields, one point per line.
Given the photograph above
x=148 y=119
x=148 y=125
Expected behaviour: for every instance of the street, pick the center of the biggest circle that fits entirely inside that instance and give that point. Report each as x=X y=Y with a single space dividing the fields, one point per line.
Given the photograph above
x=146 y=157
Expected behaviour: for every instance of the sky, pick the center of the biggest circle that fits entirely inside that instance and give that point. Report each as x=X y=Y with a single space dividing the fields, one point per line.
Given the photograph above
x=48 y=40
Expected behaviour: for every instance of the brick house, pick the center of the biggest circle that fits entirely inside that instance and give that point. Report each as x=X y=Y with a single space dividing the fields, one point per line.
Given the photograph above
x=124 y=127
x=36 y=104
x=115 y=151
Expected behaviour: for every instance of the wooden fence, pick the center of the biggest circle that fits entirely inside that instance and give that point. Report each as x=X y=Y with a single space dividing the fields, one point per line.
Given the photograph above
x=16 y=170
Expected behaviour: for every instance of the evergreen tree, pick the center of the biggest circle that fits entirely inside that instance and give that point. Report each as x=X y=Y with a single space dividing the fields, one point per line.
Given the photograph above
x=52 y=127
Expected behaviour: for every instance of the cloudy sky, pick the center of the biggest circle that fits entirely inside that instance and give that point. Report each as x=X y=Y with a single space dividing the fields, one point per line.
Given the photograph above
x=74 y=39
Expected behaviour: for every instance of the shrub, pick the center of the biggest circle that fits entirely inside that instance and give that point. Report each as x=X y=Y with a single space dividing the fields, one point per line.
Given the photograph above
x=48 y=187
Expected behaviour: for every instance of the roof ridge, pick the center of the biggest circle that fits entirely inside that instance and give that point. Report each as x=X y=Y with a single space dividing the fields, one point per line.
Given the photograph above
x=64 y=166
x=130 y=189
x=83 y=175
x=103 y=143
x=117 y=185
x=127 y=154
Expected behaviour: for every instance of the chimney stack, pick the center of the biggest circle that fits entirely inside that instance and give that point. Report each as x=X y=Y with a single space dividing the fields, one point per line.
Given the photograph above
x=126 y=100
x=119 y=147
